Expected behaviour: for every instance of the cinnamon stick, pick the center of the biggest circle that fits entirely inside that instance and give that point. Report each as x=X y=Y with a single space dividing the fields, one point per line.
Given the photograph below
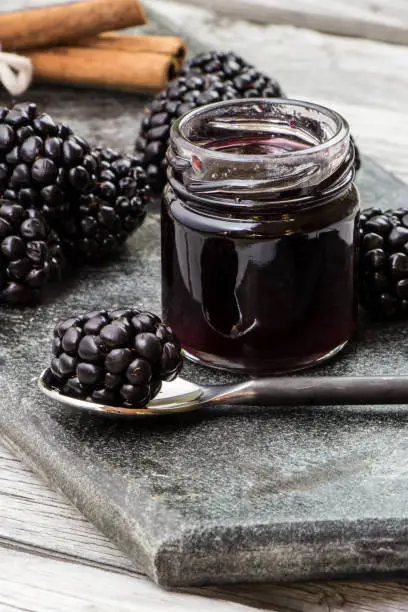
x=55 y=25
x=144 y=71
x=170 y=45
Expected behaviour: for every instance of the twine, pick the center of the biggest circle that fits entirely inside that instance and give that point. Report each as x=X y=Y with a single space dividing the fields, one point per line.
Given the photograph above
x=16 y=72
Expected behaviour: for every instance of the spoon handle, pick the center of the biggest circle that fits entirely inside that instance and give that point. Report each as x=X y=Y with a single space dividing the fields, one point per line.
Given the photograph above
x=298 y=391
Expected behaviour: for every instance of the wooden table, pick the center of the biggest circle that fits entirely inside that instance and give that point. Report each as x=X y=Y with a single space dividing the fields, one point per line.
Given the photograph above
x=51 y=558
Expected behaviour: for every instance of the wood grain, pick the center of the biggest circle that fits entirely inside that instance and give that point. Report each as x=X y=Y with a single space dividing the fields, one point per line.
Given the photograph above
x=39 y=584
x=33 y=517
x=384 y=21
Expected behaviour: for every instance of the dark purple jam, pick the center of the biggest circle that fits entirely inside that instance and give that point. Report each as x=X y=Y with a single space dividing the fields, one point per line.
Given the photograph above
x=265 y=290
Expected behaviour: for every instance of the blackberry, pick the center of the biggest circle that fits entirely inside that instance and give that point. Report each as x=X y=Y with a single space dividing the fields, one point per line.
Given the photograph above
x=231 y=68
x=384 y=262
x=182 y=95
x=100 y=222
x=41 y=161
x=30 y=253
x=115 y=358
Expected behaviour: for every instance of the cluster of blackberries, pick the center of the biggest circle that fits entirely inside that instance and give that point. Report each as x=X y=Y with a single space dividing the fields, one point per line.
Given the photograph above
x=59 y=199
x=117 y=358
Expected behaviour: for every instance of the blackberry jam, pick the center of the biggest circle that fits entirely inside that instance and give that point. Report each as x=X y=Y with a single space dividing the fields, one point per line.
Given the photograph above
x=259 y=233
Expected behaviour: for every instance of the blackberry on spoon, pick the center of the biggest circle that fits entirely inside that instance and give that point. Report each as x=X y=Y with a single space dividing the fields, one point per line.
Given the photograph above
x=118 y=358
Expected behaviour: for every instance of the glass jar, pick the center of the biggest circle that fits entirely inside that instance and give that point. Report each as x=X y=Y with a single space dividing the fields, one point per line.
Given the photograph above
x=259 y=232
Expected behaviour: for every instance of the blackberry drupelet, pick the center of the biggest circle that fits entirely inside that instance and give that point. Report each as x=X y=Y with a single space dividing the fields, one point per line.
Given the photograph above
x=229 y=67
x=115 y=358
x=42 y=162
x=182 y=95
x=101 y=221
x=30 y=253
x=384 y=262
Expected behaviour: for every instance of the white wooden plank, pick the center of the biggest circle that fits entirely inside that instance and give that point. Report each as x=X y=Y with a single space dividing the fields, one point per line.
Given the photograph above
x=326 y=597
x=385 y=21
x=38 y=584
x=364 y=72
x=32 y=516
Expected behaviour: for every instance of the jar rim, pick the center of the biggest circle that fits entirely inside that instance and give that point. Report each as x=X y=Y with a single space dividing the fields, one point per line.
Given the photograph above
x=342 y=129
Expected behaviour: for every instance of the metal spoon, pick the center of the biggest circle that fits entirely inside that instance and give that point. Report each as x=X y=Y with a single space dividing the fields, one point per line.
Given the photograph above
x=184 y=396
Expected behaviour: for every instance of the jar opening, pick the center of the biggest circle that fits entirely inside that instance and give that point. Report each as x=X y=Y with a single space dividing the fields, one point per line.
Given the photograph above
x=290 y=127
x=258 y=146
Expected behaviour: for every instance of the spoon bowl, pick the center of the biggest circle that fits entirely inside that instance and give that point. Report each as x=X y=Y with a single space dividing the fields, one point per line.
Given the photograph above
x=177 y=396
